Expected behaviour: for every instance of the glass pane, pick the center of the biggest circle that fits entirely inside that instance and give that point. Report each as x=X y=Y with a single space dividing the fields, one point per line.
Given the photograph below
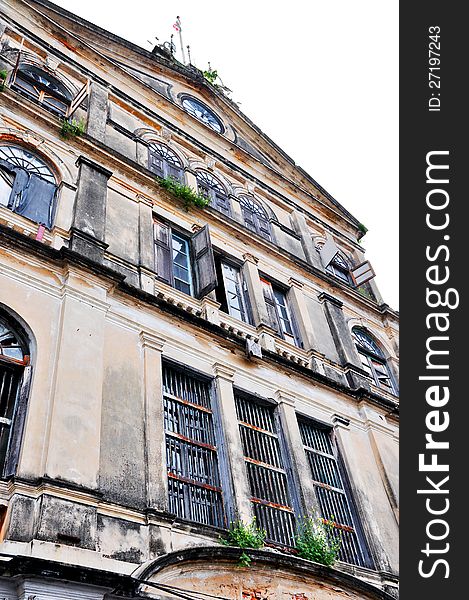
x=6 y=183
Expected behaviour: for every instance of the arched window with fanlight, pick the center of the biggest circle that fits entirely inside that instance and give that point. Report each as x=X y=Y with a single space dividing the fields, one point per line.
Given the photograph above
x=255 y=217
x=210 y=187
x=15 y=375
x=164 y=162
x=373 y=359
x=340 y=268
x=28 y=186
x=43 y=87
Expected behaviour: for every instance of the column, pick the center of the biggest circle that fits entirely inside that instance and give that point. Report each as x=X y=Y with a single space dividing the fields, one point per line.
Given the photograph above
x=301 y=227
x=89 y=221
x=97 y=112
x=146 y=244
x=157 y=478
x=232 y=459
x=300 y=309
x=301 y=471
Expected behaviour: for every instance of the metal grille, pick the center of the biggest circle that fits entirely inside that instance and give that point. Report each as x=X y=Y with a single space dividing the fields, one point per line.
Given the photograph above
x=330 y=490
x=191 y=453
x=265 y=470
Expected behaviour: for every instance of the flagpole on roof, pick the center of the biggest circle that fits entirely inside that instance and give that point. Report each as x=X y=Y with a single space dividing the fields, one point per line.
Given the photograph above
x=177 y=26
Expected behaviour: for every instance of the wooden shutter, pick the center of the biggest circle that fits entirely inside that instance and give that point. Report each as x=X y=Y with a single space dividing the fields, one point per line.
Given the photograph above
x=328 y=252
x=249 y=219
x=222 y=203
x=204 y=262
x=163 y=252
x=270 y=304
x=263 y=227
x=175 y=172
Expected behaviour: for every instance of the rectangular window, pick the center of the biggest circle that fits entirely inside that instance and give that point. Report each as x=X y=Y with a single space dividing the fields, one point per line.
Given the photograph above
x=330 y=490
x=280 y=316
x=185 y=261
x=232 y=291
x=265 y=470
x=191 y=450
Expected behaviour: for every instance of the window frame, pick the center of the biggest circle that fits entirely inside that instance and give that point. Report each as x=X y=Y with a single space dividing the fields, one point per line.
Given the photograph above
x=371 y=357
x=220 y=129
x=168 y=169
x=243 y=294
x=41 y=89
x=339 y=267
x=276 y=319
x=39 y=174
x=255 y=217
x=273 y=448
x=172 y=231
x=201 y=450
x=13 y=405
x=329 y=457
x=216 y=193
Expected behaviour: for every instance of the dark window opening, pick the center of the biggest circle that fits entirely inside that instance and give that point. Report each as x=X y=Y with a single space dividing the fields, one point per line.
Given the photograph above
x=373 y=360
x=164 y=162
x=27 y=185
x=14 y=361
x=231 y=291
x=194 y=484
x=333 y=499
x=211 y=188
x=266 y=471
x=255 y=217
x=42 y=87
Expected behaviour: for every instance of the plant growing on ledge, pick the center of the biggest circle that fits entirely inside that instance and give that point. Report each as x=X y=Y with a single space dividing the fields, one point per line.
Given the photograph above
x=245 y=535
x=318 y=540
x=3 y=78
x=72 y=128
x=184 y=192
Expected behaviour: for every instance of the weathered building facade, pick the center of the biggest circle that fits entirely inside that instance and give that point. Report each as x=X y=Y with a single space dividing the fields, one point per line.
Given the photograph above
x=167 y=368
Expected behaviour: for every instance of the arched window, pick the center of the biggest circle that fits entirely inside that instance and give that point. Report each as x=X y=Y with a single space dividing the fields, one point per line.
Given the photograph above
x=14 y=378
x=165 y=162
x=203 y=113
x=211 y=188
x=373 y=359
x=255 y=217
x=42 y=87
x=27 y=185
x=340 y=268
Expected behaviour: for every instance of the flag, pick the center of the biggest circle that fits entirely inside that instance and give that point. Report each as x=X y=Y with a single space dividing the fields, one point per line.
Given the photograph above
x=177 y=25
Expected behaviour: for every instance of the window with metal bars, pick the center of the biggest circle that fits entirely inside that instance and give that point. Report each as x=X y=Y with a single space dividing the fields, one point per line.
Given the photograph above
x=194 y=483
x=331 y=493
x=265 y=469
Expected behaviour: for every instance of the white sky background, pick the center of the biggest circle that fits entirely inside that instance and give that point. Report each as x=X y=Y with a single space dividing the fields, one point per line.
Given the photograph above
x=319 y=77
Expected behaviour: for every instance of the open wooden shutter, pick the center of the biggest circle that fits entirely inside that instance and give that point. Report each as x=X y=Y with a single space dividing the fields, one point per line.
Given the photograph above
x=270 y=304
x=204 y=262
x=79 y=99
x=328 y=252
x=163 y=260
x=248 y=217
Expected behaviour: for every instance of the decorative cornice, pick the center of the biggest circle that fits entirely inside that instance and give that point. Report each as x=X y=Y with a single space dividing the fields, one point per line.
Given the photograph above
x=151 y=340
x=325 y=297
